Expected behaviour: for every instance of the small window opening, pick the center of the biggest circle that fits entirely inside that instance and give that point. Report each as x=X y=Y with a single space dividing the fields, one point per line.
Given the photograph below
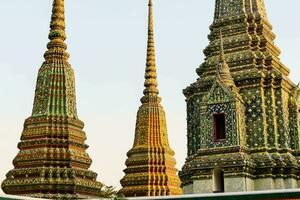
x=219 y=126
x=218 y=179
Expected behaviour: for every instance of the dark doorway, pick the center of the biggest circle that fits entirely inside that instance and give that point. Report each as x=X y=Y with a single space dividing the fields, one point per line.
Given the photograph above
x=218 y=179
x=219 y=126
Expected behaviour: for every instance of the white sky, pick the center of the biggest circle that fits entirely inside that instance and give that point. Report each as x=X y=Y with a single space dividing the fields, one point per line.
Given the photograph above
x=107 y=43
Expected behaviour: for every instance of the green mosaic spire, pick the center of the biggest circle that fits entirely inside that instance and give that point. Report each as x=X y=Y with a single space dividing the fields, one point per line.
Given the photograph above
x=237 y=8
x=261 y=143
x=52 y=162
x=55 y=89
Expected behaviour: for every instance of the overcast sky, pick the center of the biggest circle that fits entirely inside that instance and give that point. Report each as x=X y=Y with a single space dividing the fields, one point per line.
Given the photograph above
x=107 y=43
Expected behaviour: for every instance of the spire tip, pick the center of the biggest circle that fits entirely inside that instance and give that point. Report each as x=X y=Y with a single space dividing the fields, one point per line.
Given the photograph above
x=57 y=24
x=150 y=72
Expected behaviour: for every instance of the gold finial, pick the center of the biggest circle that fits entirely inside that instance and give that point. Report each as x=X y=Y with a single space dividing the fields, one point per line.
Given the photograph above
x=57 y=24
x=57 y=33
x=150 y=74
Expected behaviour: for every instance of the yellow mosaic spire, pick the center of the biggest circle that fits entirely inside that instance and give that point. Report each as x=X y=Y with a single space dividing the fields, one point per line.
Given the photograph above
x=150 y=74
x=150 y=165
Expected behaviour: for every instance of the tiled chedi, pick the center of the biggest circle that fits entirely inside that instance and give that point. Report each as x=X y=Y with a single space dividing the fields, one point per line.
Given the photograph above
x=52 y=161
x=243 y=110
x=150 y=166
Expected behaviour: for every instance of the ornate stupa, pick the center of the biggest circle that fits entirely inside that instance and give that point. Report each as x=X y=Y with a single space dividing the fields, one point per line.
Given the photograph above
x=52 y=161
x=150 y=165
x=243 y=110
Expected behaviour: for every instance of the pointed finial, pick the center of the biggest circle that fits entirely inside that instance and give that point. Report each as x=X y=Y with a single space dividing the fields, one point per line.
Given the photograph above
x=150 y=74
x=57 y=24
x=222 y=54
x=223 y=71
x=57 y=34
x=222 y=61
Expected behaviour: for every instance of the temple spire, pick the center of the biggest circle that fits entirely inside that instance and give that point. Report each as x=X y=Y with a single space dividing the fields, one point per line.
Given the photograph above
x=150 y=73
x=251 y=123
x=150 y=166
x=57 y=166
x=57 y=34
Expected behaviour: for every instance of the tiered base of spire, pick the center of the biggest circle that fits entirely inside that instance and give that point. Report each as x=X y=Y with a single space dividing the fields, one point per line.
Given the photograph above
x=150 y=172
x=151 y=165
x=52 y=162
x=52 y=183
